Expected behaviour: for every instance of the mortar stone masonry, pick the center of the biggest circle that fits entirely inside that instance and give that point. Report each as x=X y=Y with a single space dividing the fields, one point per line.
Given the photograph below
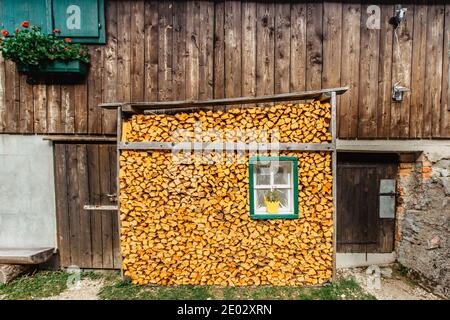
x=423 y=220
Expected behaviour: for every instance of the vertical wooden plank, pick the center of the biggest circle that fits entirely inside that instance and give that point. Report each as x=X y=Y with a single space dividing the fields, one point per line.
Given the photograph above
x=12 y=97
x=418 y=70
x=106 y=216
x=85 y=216
x=54 y=124
x=265 y=46
x=68 y=108
x=165 y=58
x=93 y=167
x=433 y=73
x=40 y=108
x=116 y=252
x=123 y=51
x=332 y=35
x=179 y=50
x=233 y=54
x=314 y=36
x=384 y=74
x=445 y=111
x=219 y=50
x=137 y=50
x=282 y=47
x=110 y=80
x=74 y=205
x=192 y=59
x=298 y=47
x=81 y=111
x=332 y=43
x=249 y=48
x=205 y=42
x=401 y=73
x=368 y=82
x=26 y=112
x=348 y=107
x=150 y=53
x=62 y=204
x=95 y=90
x=2 y=95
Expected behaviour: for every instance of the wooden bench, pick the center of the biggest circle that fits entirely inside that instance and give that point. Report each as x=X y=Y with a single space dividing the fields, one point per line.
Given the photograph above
x=16 y=261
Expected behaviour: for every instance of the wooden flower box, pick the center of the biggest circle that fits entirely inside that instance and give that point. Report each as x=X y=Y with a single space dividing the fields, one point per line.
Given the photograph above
x=55 y=72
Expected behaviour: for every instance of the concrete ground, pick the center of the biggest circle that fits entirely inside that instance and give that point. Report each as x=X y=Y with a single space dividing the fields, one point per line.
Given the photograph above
x=391 y=285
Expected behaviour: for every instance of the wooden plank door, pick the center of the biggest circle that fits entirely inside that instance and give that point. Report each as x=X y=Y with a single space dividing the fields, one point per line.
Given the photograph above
x=359 y=226
x=86 y=174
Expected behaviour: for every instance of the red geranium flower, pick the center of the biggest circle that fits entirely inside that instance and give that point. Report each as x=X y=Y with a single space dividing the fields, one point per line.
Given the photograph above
x=25 y=24
x=56 y=31
x=5 y=33
x=68 y=40
x=17 y=30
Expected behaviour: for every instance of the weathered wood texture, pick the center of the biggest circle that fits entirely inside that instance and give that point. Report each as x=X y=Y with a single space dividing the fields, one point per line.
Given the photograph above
x=175 y=50
x=86 y=174
x=359 y=227
x=25 y=255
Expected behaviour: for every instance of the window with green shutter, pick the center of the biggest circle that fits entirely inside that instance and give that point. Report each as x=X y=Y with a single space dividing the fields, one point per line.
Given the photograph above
x=81 y=20
x=277 y=178
x=13 y=12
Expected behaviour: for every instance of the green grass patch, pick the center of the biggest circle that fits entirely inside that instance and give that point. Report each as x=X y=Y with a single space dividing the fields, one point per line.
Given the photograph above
x=346 y=289
x=46 y=284
x=39 y=285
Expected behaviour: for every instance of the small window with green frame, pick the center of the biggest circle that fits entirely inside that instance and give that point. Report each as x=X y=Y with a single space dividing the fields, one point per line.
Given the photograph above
x=273 y=187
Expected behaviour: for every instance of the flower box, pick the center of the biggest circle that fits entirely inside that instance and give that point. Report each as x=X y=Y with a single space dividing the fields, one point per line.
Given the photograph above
x=55 y=71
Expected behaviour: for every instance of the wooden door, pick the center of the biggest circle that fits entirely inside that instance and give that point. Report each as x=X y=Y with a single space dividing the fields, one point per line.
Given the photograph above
x=359 y=226
x=85 y=174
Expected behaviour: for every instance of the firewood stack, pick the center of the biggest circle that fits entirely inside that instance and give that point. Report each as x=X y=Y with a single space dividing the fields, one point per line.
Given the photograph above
x=189 y=223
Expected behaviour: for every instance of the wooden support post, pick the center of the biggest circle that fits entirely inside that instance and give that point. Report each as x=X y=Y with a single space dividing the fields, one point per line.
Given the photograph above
x=119 y=222
x=334 y=174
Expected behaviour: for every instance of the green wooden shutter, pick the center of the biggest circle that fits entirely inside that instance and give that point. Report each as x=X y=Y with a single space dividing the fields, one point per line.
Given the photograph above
x=13 y=12
x=81 y=20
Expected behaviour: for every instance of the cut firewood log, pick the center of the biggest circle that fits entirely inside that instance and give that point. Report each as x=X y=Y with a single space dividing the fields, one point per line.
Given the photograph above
x=189 y=222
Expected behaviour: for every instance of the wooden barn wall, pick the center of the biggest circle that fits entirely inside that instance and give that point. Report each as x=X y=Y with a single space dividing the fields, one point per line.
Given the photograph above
x=164 y=50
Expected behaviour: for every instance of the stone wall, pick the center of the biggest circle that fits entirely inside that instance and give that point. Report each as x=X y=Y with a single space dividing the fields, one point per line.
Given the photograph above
x=423 y=218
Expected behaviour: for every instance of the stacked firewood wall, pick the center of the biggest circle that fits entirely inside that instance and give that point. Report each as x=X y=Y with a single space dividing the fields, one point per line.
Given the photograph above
x=188 y=222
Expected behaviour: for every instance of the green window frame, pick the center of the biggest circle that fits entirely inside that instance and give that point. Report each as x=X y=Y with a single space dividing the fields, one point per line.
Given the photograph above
x=293 y=210
x=52 y=14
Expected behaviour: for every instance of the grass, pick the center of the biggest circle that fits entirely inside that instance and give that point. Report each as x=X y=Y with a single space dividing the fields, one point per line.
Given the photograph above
x=46 y=284
x=40 y=285
x=346 y=289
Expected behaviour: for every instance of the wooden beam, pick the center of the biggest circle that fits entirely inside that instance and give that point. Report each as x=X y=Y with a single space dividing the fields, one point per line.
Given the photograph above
x=153 y=145
x=391 y=145
x=134 y=107
x=100 y=207
x=79 y=138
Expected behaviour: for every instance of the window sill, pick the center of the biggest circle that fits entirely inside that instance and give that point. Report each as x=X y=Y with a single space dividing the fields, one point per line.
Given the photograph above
x=274 y=216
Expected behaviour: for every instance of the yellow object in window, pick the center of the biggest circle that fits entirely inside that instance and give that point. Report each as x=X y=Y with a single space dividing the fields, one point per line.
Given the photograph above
x=272 y=207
